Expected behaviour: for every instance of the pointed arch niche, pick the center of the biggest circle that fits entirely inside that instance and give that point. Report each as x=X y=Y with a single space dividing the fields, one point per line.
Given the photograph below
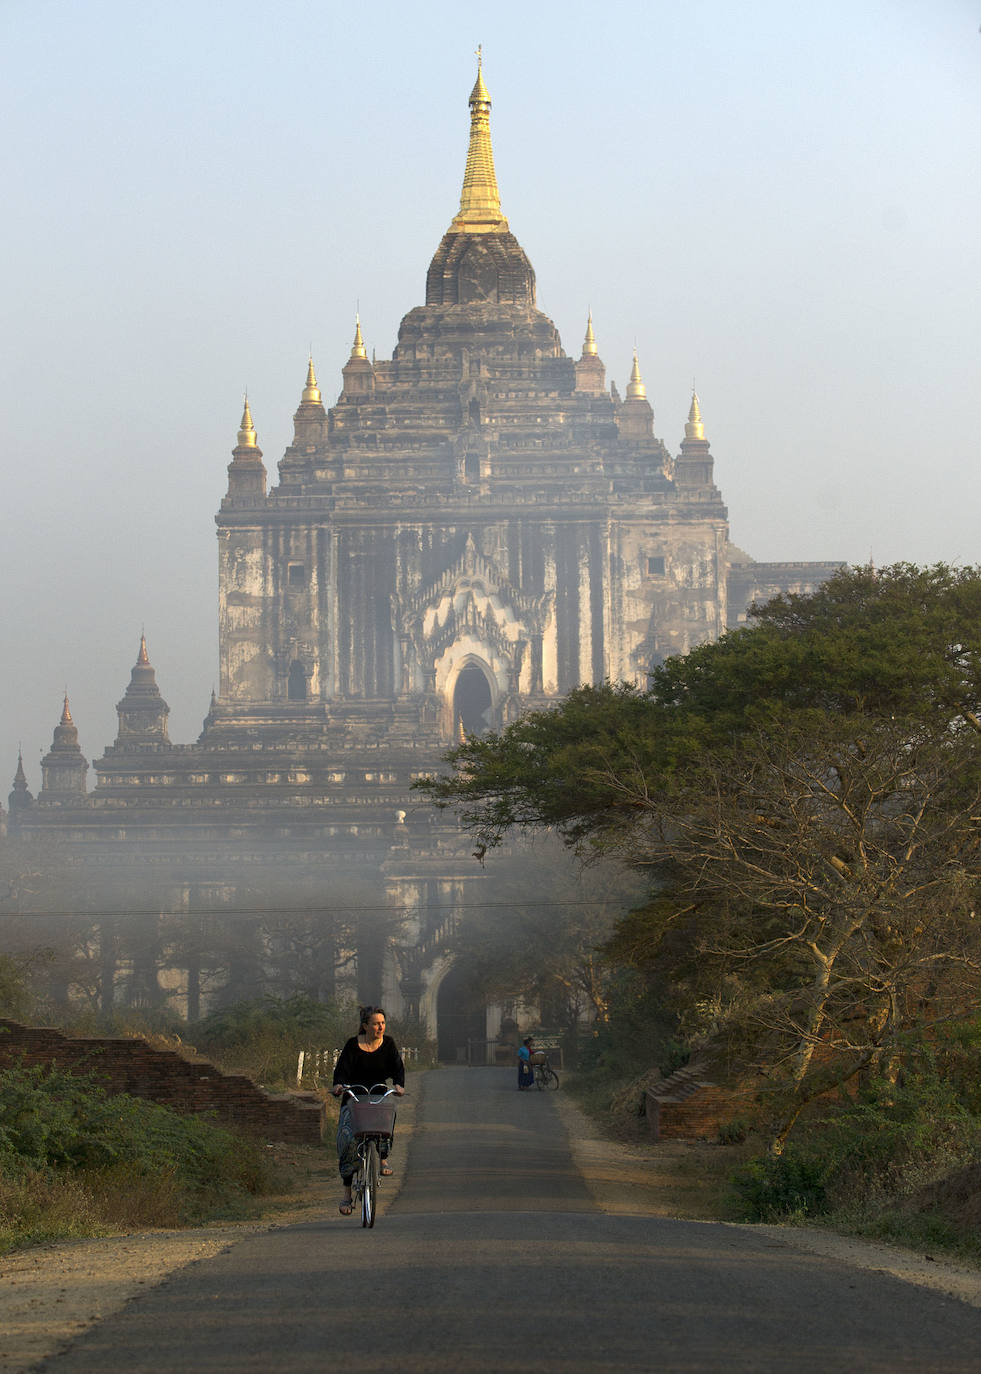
x=471 y=681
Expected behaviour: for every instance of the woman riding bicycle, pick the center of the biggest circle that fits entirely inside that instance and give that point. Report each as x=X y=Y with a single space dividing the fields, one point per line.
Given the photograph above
x=368 y=1058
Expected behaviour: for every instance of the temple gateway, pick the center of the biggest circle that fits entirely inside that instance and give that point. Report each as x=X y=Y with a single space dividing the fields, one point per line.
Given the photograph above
x=477 y=525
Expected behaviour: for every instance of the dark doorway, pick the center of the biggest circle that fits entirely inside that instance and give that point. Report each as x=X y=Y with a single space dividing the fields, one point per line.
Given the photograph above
x=471 y=702
x=296 y=687
x=461 y=1016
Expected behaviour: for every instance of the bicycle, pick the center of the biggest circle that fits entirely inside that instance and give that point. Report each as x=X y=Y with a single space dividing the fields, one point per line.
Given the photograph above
x=373 y=1122
x=545 y=1075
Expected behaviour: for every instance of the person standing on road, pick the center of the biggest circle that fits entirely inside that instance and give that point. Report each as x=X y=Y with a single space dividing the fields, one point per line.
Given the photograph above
x=526 y=1074
x=369 y=1058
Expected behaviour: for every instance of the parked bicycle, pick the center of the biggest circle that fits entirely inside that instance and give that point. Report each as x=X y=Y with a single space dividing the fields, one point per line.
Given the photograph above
x=373 y=1123
x=545 y=1075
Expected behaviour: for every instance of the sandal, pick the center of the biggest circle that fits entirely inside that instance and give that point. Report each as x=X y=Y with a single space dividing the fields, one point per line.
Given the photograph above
x=386 y=1172
x=345 y=1208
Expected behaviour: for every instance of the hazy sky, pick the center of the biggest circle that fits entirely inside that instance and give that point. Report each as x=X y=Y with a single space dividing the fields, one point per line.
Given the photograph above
x=781 y=201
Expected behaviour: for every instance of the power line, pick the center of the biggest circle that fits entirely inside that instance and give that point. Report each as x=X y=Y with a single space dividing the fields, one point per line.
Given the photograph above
x=317 y=911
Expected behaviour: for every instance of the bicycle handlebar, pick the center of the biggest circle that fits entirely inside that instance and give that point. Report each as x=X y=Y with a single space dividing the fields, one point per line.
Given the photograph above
x=355 y=1089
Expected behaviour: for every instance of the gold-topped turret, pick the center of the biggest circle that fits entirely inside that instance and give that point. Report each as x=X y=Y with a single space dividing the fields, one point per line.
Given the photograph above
x=589 y=349
x=358 y=373
x=694 y=465
x=636 y=390
x=63 y=768
x=694 y=429
x=246 y=474
x=636 y=420
x=590 y=372
x=480 y=200
x=308 y=424
x=246 y=432
x=311 y=392
x=358 y=349
x=142 y=711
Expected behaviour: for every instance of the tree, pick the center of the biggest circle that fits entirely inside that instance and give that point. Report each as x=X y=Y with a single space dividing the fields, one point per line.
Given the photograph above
x=824 y=878
x=539 y=938
x=804 y=798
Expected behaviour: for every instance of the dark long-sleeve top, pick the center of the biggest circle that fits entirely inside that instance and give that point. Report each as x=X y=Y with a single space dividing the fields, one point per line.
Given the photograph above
x=366 y=1068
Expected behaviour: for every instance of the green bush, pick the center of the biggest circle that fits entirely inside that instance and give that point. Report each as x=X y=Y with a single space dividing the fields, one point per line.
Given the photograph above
x=51 y=1120
x=782 y=1187
x=895 y=1137
x=734 y=1132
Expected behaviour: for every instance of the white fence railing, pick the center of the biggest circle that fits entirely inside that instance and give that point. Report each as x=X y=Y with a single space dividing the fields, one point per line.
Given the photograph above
x=318 y=1064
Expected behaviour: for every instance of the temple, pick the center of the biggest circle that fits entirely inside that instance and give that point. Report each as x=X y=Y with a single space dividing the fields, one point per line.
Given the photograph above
x=476 y=526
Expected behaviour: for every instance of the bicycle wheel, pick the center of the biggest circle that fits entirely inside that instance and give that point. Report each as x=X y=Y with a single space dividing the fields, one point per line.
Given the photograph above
x=369 y=1196
x=551 y=1079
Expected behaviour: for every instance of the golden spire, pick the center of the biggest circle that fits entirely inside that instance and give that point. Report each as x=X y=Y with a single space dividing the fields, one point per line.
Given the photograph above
x=142 y=658
x=246 y=433
x=480 y=201
x=694 y=429
x=358 y=349
x=636 y=390
x=589 y=349
x=311 y=392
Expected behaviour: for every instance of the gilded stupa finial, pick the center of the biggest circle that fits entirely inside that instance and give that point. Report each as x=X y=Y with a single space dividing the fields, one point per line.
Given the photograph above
x=66 y=715
x=694 y=429
x=480 y=200
x=142 y=658
x=589 y=349
x=246 y=432
x=358 y=349
x=311 y=392
x=636 y=390
x=480 y=91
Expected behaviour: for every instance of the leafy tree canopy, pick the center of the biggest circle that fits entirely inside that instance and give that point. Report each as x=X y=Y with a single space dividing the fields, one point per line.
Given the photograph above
x=898 y=642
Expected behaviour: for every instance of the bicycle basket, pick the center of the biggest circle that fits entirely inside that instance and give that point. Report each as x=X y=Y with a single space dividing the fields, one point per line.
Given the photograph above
x=372 y=1118
x=538 y=1057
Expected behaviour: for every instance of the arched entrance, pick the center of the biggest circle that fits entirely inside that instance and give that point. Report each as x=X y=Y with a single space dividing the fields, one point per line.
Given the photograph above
x=471 y=702
x=461 y=1015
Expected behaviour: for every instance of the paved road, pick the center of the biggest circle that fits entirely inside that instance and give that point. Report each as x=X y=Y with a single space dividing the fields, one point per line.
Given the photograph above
x=493 y=1260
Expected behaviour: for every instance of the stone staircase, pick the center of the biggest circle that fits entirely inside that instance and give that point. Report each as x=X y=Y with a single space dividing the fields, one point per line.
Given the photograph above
x=687 y=1105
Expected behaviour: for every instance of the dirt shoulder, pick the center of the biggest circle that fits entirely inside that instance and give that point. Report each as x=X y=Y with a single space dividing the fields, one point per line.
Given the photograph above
x=663 y=1180
x=50 y=1294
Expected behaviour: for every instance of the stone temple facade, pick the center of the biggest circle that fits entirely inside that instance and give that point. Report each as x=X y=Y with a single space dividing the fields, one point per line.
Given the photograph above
x=475 y=527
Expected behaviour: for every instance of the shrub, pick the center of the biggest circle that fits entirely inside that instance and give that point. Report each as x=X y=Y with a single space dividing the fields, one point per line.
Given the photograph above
x=782 y=1187
x=734 y=1132
x=896 y=1137
x=62 y=1133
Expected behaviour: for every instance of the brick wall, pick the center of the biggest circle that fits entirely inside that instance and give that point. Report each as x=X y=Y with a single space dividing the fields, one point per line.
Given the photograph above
x=688 y=1106
x=186 y=1086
